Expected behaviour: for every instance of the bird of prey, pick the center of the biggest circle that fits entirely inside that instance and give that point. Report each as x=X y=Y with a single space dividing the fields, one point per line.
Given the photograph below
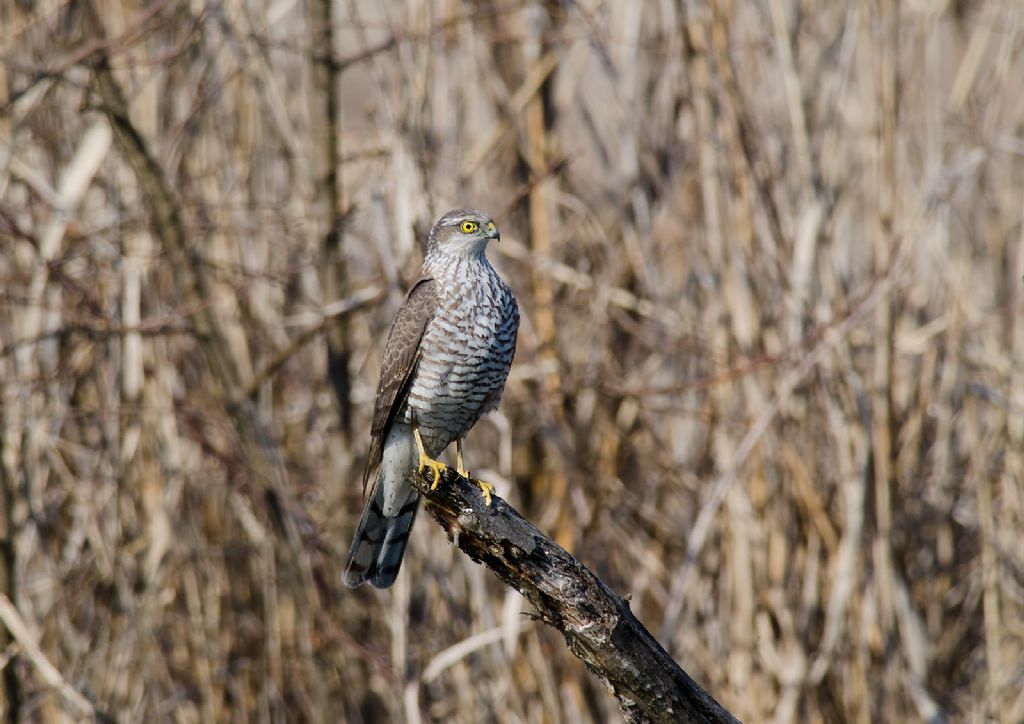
x=445 y=364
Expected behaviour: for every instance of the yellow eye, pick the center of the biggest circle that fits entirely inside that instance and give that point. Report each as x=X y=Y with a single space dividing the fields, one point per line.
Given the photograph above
x=468 y=227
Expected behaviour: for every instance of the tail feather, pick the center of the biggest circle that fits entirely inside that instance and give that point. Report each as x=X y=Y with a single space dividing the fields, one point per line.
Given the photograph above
x=390 y=511
x=379 y=542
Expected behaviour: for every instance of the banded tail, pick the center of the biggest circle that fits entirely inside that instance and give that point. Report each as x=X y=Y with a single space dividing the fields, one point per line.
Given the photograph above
x=388 y=515
x=379 y=543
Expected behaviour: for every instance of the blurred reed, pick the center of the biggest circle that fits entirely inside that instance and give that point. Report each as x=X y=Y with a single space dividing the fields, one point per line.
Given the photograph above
x=769 y=382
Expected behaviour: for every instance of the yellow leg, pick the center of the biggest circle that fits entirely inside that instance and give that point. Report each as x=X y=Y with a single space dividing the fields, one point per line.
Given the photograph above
x=459 y=464
x=426 y=461
x=486 y=488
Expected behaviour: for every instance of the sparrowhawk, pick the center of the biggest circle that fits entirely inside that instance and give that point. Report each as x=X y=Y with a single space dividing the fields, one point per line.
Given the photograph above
x=445 y=364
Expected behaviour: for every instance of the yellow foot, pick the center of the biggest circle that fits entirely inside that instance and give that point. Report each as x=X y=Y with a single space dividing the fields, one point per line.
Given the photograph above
x=485 y=488
x=437 y=467
x=428 y=462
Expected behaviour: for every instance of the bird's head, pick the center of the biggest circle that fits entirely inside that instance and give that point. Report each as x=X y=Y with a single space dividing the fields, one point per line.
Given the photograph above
x=462 y=232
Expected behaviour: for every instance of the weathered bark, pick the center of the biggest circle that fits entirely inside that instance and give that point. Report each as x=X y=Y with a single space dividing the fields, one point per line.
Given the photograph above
x=598 y=625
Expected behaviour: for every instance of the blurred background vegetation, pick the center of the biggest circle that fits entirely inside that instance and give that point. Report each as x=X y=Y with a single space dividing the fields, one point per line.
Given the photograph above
x=770 y=376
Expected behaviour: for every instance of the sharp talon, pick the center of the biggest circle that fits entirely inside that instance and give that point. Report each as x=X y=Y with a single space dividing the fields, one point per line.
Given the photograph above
x=486 y=489
x=428 y=462
x=434 y=466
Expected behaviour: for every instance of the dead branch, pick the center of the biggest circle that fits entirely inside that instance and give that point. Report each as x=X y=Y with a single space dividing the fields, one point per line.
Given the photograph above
x=598 y=625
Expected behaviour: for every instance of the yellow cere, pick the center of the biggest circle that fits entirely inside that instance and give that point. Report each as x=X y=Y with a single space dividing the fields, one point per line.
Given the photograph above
x=468 y=227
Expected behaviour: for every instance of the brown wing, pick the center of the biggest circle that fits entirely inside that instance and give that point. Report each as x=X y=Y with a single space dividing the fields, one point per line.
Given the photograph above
x=401 y=355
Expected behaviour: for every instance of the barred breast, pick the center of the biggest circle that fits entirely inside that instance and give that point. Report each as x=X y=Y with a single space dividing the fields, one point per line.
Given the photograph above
x=466 y=353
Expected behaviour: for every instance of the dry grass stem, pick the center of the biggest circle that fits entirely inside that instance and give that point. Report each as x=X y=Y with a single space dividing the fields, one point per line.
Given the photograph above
x=769 y=379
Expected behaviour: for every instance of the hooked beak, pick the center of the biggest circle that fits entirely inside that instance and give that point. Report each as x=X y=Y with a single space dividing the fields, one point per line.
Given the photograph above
x=492 y=231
